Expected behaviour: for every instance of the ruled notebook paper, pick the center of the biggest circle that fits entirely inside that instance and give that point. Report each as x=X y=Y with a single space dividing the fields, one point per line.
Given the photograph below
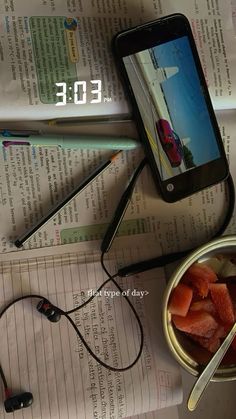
x=49 y=359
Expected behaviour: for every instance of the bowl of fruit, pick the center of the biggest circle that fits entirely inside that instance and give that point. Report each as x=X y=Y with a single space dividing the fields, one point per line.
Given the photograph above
x=199 y=308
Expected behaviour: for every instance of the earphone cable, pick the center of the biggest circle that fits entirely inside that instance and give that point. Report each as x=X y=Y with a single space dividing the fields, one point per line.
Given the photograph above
x=112 y=278
x=107 y=366
x=23 y=297
x=2 y=312
x=66 y=314
x=163 y=260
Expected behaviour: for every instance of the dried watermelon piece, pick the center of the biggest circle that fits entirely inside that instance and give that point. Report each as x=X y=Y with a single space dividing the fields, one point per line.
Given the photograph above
x=221 y=298
x=198 y=323
x=204 y=305
x=200 y=276
x=213 y=343
x=180 y=300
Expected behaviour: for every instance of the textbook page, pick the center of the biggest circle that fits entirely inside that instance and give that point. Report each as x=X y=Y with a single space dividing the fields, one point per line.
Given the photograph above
x=215 y=36
x=50 y=360
x=44 y=43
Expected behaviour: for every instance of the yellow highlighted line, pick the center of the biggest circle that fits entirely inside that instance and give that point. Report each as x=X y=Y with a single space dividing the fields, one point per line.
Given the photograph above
x=156 y=149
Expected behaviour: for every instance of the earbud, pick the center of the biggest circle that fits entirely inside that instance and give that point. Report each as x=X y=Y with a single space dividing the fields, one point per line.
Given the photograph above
x=45 y=307
x=19 y=401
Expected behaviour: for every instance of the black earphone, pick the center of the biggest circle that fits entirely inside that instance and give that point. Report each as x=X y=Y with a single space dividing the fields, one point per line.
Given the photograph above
x=47 y=309
x=54 y=313
x=18 y=401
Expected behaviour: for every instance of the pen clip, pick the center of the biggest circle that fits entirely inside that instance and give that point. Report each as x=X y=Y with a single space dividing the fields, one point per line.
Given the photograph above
x=8 y=143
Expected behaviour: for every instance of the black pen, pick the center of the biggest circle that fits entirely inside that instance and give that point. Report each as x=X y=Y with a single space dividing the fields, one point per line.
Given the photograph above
x=120 y=210
x=22 y=239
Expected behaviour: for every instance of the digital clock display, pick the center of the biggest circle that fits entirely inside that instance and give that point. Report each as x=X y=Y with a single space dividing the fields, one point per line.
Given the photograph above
x=78 y=94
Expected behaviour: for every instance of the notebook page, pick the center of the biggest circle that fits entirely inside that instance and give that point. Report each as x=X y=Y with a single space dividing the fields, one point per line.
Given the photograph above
x=49 y=359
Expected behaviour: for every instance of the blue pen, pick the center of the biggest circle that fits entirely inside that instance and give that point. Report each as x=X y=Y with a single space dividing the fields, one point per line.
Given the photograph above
x=72 y=141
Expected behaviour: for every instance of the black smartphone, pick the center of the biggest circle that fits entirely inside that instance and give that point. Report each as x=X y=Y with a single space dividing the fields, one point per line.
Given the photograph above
x=164 y=80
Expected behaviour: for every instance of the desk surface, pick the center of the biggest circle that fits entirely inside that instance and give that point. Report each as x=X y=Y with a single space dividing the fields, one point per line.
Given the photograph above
x=217 y=402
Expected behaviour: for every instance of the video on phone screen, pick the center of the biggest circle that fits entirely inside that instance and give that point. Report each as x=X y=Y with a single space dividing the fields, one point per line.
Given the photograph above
x=168 y=92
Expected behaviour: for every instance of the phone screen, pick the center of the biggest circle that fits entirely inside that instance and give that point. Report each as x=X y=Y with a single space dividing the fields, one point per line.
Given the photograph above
x=168 y=92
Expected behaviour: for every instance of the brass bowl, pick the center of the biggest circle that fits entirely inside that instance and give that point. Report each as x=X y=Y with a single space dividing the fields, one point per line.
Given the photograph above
x=189 y=355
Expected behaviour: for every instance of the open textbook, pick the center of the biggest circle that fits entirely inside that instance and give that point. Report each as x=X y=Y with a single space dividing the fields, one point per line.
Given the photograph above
x=56 y=60
x=51 y=361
